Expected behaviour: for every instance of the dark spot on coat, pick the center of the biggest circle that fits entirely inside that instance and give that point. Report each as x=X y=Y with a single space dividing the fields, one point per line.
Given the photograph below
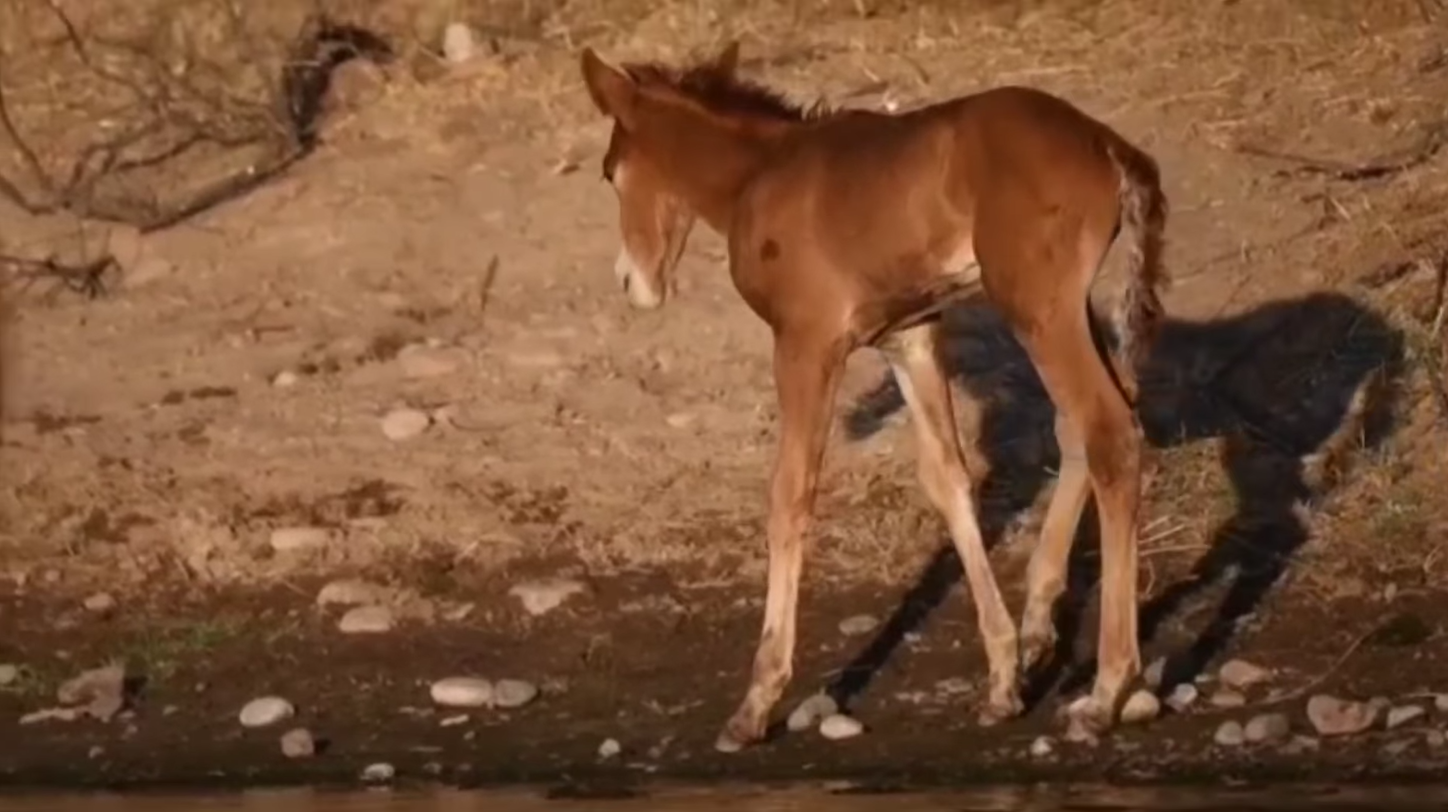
x=768 y=251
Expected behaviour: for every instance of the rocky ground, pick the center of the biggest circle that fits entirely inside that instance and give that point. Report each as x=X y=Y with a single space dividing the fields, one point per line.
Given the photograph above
x=377 y=453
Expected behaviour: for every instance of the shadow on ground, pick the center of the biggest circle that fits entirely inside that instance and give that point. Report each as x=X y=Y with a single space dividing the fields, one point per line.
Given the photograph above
x=1277 y=386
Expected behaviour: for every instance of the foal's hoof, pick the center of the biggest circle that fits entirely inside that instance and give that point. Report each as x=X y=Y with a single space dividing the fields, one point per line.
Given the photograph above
x=1087 y=720
x=738 y=734
x=997 y=709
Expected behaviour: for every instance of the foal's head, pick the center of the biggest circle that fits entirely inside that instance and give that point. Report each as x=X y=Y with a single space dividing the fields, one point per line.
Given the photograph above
x=652 y=147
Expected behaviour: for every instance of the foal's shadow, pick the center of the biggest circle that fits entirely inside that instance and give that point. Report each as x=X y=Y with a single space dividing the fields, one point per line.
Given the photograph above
x=1286 y=387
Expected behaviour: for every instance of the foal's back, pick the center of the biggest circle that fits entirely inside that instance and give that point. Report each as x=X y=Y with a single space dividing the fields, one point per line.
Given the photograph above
x=893 y=204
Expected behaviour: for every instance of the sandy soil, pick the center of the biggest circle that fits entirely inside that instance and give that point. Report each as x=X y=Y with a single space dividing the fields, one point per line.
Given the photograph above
x=448 y=249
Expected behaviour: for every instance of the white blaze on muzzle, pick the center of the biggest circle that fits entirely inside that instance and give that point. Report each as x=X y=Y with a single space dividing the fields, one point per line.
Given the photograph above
x=636 y=284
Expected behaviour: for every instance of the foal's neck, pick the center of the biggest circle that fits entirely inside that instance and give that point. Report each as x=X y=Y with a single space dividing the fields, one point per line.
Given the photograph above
x=710 y=156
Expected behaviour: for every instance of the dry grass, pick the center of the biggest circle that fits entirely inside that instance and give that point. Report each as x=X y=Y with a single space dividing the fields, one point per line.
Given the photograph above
x=1194 y=79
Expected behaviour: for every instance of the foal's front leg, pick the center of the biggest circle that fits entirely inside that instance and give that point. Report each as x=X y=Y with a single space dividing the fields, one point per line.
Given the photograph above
x=806 y=375
x=915 y=359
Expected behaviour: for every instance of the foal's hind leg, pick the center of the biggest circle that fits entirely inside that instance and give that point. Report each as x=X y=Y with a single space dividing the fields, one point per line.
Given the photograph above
x=1085 y=395
x=806 y=375
x=1046 y=574
x=914 y=358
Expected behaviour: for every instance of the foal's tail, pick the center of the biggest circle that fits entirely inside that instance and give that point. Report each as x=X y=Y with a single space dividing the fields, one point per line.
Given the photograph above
x=1143 y=218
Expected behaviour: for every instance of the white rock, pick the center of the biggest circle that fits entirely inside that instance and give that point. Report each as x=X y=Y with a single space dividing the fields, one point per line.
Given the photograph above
x=839 y=726
x=1241 y=675
x=298 y=743
x=404 y=424
x=1403 y=714
x=420 y=361
x=1154 y=671
x=100 y=602
x=462 y=692
x=1331 y=716
x=1226 y=698
x=609 y=748
x=366 y=620
x=351 y=592
x=8 y=674
x=859 y=624
x=809 y=712
x=285 y=379
x=458 y=45
x=1043 y=747
x=1182 y=697
x=378 y=773
x=543 y=596
x=1230 y=734
x=290 y=539
x=1142 y=706
x=266 y=710
x=513 y=693
x=1267 y=728
x=1300 y=745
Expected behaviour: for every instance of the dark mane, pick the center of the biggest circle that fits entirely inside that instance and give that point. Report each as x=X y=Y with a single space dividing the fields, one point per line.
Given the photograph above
x=723 y=92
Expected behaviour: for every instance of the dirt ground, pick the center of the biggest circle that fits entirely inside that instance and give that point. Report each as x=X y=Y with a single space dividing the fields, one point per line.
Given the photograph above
x=448 y=249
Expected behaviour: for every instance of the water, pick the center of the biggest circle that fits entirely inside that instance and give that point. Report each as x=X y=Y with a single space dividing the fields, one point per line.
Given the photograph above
x=759 y=800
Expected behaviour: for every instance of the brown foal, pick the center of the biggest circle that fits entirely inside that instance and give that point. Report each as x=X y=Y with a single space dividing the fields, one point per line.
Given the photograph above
x=852 y=228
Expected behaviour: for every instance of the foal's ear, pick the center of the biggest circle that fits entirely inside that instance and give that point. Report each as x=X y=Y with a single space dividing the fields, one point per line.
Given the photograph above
x=728 y=59
x=612 y=90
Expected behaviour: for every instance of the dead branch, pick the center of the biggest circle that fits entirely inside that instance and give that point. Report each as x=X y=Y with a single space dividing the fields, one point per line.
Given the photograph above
x=86 y=278
x=181 y=112
x=1425 y=150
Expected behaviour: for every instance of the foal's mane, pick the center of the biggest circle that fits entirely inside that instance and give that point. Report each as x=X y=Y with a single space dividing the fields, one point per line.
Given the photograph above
x=722 y=91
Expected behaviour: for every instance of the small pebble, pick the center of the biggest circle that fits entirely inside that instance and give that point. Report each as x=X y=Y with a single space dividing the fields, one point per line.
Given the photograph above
x=1331 y=716
x=543 y=596
x=96 y=751
x=1230 y=734
x=404 y=424
x=1142 y=706
x=100 y=602
x=1268 y=728
x=366 y=620
x=462 y=692
x=513 y=693
x=291 y=539
x=1182 y=697
x=1241 y=675
x=1300 y=745
x=298 y=743
x=285 y=378
x=1440 y=703
x=1227 y=699
x=1399 y=716
x=839 y=726
x=1154 y=672
x=609 y=748
x=811 y=711
x=351 y=592
x=8 y=674
x=1043 y=747
x=266 y=710
x=458 y=45
x=1434 y=738
x=453 y=721
x=859 y=624
x=378 y=773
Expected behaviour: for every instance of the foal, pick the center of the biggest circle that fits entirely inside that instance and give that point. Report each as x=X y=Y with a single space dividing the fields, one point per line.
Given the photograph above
x=852 y=228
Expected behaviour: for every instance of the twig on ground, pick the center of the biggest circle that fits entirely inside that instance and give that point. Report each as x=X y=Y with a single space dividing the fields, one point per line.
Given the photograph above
x=1323 y=677
x=1425 y=150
